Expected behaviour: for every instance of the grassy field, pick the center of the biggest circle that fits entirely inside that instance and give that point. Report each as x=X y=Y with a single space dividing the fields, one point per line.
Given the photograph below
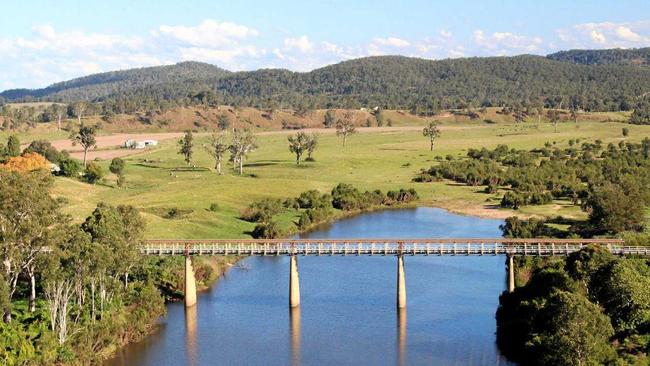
x=379 y=160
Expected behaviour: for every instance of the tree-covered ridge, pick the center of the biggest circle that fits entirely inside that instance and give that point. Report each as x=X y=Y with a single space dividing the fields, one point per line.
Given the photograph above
x=98 y=86
x=391 y=82
x=615 y=56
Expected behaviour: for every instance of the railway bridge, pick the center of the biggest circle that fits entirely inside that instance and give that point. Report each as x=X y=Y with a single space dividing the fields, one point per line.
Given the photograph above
x=370 y=247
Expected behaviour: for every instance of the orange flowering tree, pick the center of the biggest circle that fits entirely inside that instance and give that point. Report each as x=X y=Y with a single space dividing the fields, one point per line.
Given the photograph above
x=26 y=163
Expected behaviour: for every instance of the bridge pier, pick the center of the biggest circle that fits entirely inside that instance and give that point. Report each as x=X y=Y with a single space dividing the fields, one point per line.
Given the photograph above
x=511 y=274
x=190 y=283
x=294 y=282
x=401 y=283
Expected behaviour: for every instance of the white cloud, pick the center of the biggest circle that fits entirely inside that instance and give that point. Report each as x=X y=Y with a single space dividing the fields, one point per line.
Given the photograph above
x=606 y=35
x=391 y=42
x=507 y=43
x=302 y=44
x=445 y=33
x=208 y=33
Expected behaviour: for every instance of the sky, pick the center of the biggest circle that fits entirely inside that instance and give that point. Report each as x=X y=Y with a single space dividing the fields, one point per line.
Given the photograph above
x=42 y=42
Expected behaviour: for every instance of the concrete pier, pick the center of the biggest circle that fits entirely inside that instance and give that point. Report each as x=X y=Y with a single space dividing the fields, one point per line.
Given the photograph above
x=190 y=283
x=511 y=274
x=294 y=283
x=401 y=283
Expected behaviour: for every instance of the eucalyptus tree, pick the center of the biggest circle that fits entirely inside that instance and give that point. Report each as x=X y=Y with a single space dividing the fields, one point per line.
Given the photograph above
x=217 y=149
x=13 y=146
x=299 y=144
x=117 y=168
x=243 y=142
x=329 y=119
x=432 y=132
x=186 y=144
x=345 y=127
x=86 y=136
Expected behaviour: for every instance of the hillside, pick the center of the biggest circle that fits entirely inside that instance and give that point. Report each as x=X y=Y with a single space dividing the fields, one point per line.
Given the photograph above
x=185 y=74
x=616 y=56
x=394 y=82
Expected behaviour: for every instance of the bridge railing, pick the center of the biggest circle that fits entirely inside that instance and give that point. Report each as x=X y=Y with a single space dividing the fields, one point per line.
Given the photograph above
x=276 y=247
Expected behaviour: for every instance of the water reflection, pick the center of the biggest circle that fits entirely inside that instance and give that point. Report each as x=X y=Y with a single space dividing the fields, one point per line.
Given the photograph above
x=190 y=334
x=401 y=336
x=294 y=320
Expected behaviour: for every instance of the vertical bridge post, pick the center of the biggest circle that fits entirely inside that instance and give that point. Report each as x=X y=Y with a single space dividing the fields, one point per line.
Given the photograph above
x=401 y=279
x=511 y=274
x=190 y=282
x=294 y=282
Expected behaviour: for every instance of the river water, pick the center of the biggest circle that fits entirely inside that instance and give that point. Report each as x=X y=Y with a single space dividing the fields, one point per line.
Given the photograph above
x=347 y=314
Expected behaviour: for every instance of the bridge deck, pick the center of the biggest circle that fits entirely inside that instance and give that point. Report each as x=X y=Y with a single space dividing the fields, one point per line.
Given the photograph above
x=277 y=247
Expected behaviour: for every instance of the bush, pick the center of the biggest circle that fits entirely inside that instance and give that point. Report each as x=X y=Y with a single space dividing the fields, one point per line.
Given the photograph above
x=214 y=207
x=262 y=210
x=402 y=196
x=626 y=131
x=347 y=197
x=266 y=230
x=69 y=167
x=313 y=199
x=94 y=173
x=45 y=149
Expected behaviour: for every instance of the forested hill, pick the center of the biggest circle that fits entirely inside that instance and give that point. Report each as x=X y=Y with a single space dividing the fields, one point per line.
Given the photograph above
x=616 y=56
x=96 y=86
x=394 y=82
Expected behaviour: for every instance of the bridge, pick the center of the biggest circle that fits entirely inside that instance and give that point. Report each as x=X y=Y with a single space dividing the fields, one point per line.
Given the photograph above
x=369 y=247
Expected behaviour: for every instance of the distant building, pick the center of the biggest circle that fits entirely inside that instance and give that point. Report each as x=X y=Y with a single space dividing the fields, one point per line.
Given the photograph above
x=133 y=144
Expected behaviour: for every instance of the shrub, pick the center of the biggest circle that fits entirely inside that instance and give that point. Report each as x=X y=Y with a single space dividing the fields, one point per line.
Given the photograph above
x=266 y=230
x=93 y=173
x=626 y=131
x=45 y=149
x=347 y=197
x=262 y=210
x=214 y=207
x=26 y=163
x=69 y=167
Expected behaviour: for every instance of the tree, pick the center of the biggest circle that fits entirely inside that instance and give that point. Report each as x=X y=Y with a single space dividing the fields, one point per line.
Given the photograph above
x=26 y=163
x=300 y=143
x=86 y=137
x=78 y=109
x=330 y=119
x=641 y=114
x=574 y=115
x=243 y=142
x=58 y=112
x=217 y=149
x=223 y=122
x=345 y=127
x=573 y=332
x=28 y=217
x=553 y=117
x=186 y=144
x=13 y=146
x=311 y=146
x=44 y=148
x=93 y=173
x=432 y=132
x=615 y=208
x=117 y=168
x=379 y=116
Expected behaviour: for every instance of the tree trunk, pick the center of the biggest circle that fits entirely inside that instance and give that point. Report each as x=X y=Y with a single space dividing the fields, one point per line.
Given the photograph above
x=344 y=136
x=126 y=280
x=58 y=123
x=297 y=159
x=32 y=293
x=241 y=165
x=431 y=145
x=85 y=152
x=219 y=166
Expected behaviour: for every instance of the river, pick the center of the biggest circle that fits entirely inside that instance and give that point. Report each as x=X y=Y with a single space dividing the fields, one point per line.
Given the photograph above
x=347 y=314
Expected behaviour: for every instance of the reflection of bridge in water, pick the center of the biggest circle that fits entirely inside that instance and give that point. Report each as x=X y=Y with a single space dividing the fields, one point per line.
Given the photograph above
x=369 y=247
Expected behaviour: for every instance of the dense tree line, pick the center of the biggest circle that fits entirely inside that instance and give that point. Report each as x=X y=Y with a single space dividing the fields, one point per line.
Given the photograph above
x=610 y=182
x=616 y=56
x=591 y=309
x=391 y=82
x=314 y=207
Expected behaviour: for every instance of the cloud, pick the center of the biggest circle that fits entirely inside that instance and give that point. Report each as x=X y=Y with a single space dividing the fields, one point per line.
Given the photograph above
x=507 y=43
x=605 y=35
x=209 y=33
x=445 y=33
x=391 y=42
x=302 y=44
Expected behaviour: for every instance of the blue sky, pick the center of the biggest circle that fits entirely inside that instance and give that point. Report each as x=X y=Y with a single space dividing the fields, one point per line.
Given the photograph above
x=42 y=42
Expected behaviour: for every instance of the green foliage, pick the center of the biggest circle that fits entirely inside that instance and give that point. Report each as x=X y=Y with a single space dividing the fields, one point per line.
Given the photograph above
x=301 y=143
x=641 y=114
x=69 y=167
x=223 y=122
x=186 y=144
x=330 y=119
x=515 y=227
x=13 y=146
x=266 y=230
x=616 y=207
x=615 y=56
x=214 y=207
x=45 y=149
x=117 y=168
x=93 y=173
x=262 y=210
